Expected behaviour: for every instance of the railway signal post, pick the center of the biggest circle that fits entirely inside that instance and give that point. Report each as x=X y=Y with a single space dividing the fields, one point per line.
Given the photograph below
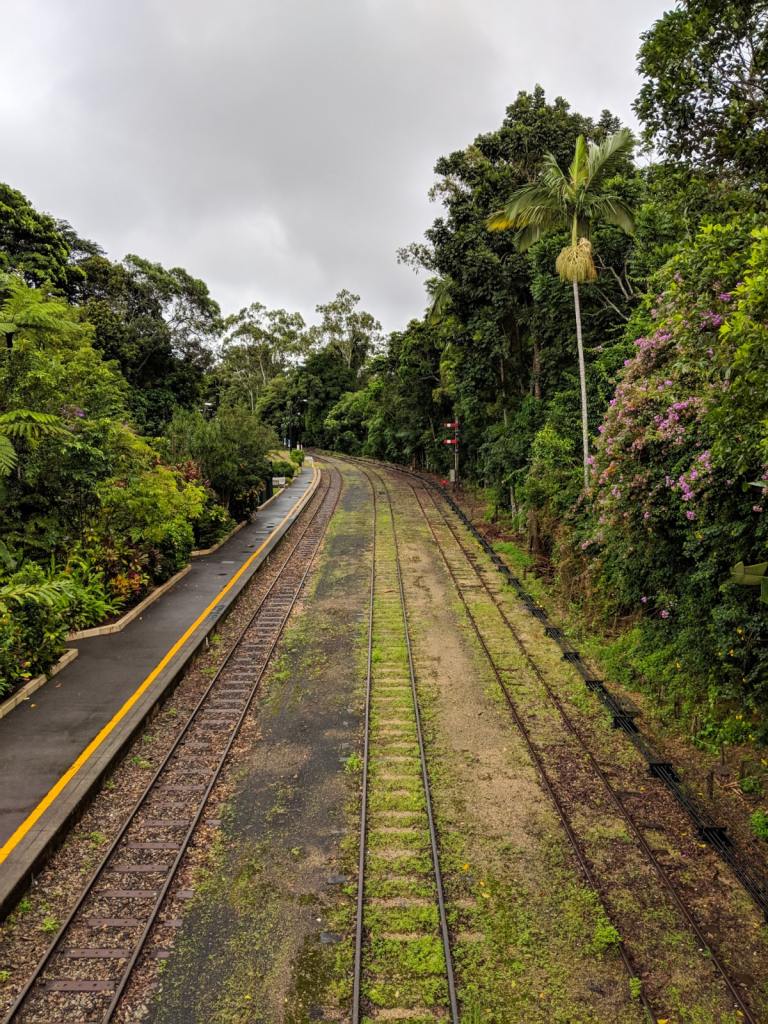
x=454 y=443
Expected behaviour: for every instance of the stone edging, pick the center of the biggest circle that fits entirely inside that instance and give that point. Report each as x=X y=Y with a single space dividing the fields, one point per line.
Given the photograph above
x=116 y=627
x=200 y=552
x=29 y=688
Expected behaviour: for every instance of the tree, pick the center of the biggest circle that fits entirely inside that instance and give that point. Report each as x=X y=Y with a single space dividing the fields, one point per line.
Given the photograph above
x=705 y=96
x=259 y=345
x=30 y=242
x=351 y=332
x=230 y=449
x=576 y=200
x=161 y=327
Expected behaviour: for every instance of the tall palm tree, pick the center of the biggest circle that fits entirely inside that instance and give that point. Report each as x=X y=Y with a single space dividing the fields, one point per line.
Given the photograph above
x=577 y=200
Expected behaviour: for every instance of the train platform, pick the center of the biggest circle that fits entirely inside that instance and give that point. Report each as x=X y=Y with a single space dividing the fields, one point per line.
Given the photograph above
x=56 y=747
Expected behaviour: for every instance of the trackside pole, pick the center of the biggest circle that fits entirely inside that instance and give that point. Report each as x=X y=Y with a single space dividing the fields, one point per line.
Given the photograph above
x=454 y=443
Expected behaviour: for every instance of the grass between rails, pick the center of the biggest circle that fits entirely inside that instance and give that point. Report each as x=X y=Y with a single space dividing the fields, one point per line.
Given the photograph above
x=403 y=963
x=734 y=783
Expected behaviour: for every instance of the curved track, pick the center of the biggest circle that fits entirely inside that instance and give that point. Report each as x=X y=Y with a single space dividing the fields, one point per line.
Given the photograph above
x=467 y=575
x=86 y=969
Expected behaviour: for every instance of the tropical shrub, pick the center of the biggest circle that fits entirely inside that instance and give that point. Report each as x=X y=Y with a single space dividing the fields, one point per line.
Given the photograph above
x=230 y=449
x=280 y=467
x=38 y=608
x=681 y=478
x=212 y=522
x=153 y=511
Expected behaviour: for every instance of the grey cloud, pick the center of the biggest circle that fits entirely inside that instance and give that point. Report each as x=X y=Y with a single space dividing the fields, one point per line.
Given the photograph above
x=281 y=150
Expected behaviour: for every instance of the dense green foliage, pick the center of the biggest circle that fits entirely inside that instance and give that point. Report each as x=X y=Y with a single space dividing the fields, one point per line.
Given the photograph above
x=676 y=362
x=704 y=98
x=136 y=423
x=681 y=468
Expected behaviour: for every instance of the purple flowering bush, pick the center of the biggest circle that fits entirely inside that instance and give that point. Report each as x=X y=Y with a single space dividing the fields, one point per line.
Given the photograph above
x=681 y=481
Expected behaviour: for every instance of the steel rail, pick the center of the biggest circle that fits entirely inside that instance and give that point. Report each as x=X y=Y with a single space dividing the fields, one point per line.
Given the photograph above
x=89 y=888
x=434 y=844
x=662 y=874
x=753 y=882
x=358 y=964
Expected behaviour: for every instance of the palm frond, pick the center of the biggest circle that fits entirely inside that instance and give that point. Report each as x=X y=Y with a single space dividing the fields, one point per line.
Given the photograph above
x=615 y=211
x=8 y=456
x=529 y=234
x=553 y=180
x=441 y=299
x=578 y=170
x=532 y=204
x=526 y=237
x=604 y=159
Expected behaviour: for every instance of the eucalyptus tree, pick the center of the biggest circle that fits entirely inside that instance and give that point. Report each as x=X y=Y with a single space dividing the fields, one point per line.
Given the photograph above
x=260 y=344
x=576 y=200
x=351 y=332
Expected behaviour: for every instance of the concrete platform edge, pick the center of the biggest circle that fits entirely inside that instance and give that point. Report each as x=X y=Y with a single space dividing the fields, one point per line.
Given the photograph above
x=41 y=841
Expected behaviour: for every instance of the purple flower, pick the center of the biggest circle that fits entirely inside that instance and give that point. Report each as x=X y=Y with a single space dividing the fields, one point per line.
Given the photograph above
x=711 y=319
x=644 y=599
x=690 y=514
x=757 y=508
x=664 y=614
x=725 y=296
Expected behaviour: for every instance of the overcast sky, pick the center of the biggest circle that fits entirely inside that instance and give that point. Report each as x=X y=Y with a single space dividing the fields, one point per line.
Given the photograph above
x=283 y=149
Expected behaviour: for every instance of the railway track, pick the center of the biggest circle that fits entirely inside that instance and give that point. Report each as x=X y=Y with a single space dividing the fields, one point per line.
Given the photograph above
x=585 y=777
x=130 y=902
x=403 y=963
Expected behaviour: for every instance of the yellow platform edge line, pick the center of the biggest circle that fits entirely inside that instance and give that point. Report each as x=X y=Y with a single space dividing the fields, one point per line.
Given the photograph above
x=60 y=785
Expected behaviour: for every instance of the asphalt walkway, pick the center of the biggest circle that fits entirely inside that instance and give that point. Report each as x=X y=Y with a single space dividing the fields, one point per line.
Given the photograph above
x=55 y=747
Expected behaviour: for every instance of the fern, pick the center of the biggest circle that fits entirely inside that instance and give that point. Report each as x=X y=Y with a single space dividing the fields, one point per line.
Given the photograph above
x=8 y=456
x=29 y=424
x=26 y=425
x=48 y=593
